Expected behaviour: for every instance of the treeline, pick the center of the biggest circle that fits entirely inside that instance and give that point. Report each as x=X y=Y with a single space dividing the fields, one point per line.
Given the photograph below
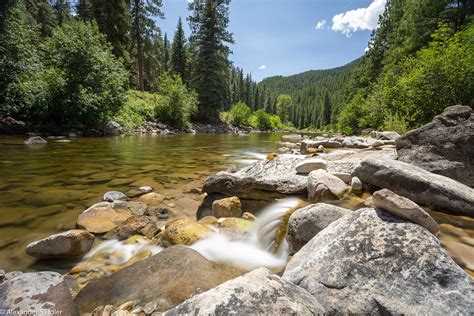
x=419 y=60
x=70 y=63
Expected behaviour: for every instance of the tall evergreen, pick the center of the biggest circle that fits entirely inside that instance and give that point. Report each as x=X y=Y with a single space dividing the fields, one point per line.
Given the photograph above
x=166 y=53
x=209 y=22
x=43 y=13
x=326 y=111
x=143 y=27
x=63 y=10
x=178 y=52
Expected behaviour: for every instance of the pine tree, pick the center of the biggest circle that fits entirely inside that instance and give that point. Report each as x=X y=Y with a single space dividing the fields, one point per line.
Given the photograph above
x=63 y=10
x=143 y=27
x=209 y=23
x=43 y=13
x=84 y=9
x=326 y=111
x=166 y=53
x=178 y=52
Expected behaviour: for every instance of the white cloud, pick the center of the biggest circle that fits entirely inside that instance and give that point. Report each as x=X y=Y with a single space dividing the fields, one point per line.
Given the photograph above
x=358 y=19
x=262 y=67
x=320 y=24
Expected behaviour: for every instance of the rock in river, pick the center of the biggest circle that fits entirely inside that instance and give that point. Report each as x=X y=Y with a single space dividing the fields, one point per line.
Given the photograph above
x=167 y=278
x=404 y=208
x=445 y=146
x=35 y=140
x=184 y=232
x=70 y=244
x=325 y=186
x=262 y=180
x=308 y=221
x=256 y=293
x=228 y=207
x=421 y=186
x=43 y=293
x=370 y=262
x=114 y=196
x=102 y=217
x=308 y=165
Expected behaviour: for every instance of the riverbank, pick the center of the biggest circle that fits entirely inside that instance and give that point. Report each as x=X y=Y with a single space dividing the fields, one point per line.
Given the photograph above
x=366 y=228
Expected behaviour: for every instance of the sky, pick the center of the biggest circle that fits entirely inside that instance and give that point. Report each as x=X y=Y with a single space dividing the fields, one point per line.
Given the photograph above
x=285 y=37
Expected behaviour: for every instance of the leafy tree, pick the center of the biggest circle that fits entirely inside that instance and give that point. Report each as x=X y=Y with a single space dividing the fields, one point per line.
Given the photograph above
x=262 y=120
x=240 y=114
x=43 y=13
x=283 y=105
x=176 y=103
x=209 y=23
x=178 y=52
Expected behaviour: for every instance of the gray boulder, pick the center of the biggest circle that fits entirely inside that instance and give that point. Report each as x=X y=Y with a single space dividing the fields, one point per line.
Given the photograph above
x=167 y=278
x=445 y=146
x=370 y=262
x=255 y=293
x=327 y=143
x=70 y=244
x=35 y=140
x=308 y=221
x=39 y=292
x=292 y=138
x=111 y=196
x=421 y=186
x=384 y=135
x=325 y=186
x=262 y=180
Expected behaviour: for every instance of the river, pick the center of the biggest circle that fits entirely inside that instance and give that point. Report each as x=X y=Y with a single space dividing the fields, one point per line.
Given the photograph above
x=43 y=188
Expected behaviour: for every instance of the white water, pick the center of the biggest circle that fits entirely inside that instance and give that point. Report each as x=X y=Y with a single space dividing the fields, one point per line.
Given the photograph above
x=249 y=254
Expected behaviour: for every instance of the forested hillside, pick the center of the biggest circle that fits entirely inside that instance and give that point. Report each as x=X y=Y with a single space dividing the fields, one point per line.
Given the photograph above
x=419 y=60
x=317 y=95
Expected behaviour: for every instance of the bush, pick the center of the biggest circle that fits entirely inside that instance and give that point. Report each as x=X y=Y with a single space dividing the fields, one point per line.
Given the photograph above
x=394 y=122
x=261 y=120
x=176 y=104
x=240 y=115
x=139 y=108
x=276 y=123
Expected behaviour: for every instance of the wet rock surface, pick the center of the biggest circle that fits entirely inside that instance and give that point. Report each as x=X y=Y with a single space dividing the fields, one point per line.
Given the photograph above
x=421 y=186
x=39 y=293
x=102 y=217
x=445 y=146
x=371 y=262
x=168 y=278
x=70 y=244
x=256 y=293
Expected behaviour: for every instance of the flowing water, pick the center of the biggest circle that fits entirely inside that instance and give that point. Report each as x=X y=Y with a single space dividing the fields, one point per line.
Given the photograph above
x=43 y=188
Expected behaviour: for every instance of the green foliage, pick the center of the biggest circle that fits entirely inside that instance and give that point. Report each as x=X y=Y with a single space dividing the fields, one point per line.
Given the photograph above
x=176 y=104
x=283 y=104
x=178 y=53
x=240 y=115
x=139 y=108
x=395 y=122
x=261 y=120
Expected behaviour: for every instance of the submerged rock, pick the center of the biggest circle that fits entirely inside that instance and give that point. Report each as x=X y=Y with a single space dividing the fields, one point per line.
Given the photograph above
x=228 y=207
x=445 y=146
x=324 y=186
x=404 y=208
x=70 y=244
x=370 y=262
x=262 y=180
x=135 y=225
x=421 y=186
x=308 y=221
x=256 y=293
x=102 y=217
x=36 y=293
x=167 y=278
x=139 y=191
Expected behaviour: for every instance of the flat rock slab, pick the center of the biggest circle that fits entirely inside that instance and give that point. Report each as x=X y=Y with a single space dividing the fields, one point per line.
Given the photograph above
x=167 y=278
x=444 y=146
x=262 y=180
x=70 y=244
x=308 y=165
x=102 y=217
x=370 y=262
x=43 y=293
x=404 y=208
x=255 y=293
x=421 y=186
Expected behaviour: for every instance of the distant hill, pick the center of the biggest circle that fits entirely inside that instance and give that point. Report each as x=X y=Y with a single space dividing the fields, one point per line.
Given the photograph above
x=308 y=90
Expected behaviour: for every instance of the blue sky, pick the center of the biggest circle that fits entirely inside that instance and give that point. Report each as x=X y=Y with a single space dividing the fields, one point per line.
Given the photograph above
x=284 y=37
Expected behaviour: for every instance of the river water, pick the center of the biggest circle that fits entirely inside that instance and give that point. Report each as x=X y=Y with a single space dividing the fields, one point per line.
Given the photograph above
x=43 y=188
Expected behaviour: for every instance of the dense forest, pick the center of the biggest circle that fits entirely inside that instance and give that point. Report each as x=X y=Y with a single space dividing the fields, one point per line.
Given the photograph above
x=419 y=60
x=81 y=63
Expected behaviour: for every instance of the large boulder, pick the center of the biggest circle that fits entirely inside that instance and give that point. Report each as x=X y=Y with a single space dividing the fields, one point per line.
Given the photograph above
x=102 y=217
x=37 y=293
x=308 y=221
x=227 y=207
x=262 y=180
x=370 y=262
x=445 y=146
x=421 y=186
x=167 y=278
x=70 y=244
x=256 y=293
x=325 y=186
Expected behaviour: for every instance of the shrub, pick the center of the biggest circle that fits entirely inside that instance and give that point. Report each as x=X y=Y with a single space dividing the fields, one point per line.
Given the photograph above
x=176 y=104
x=139 y=108
x=262 y=120
x=395 y=122
x=240 y=115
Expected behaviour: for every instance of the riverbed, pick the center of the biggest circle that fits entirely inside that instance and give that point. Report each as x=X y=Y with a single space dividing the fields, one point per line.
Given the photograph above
x=43 y=188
